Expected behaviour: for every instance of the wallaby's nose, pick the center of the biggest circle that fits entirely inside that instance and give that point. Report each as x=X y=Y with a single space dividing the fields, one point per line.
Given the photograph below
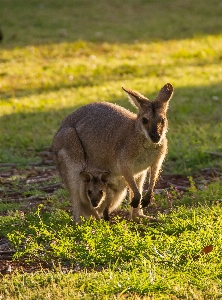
x=94 y=202
x=155 y=137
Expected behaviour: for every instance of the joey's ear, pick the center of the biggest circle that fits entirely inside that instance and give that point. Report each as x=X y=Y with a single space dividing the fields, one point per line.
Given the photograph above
x=104 y=177
x=135 y=98
x=86 y=176
x=165 y=93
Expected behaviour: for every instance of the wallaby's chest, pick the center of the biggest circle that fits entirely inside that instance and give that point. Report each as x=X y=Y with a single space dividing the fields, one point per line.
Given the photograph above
x=146 y=157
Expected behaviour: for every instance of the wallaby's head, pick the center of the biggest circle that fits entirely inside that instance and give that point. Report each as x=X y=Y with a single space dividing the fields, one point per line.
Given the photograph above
x=95 y=186
x=152 y=114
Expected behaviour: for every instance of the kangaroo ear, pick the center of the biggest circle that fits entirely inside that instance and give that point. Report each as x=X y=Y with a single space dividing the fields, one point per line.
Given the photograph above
x=135 y=98
x=104 y=177
x=165 y=93
x=86 y=176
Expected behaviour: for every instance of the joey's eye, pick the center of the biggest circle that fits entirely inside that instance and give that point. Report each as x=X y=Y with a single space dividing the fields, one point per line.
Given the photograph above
x=144 y=120
x=101 y=192
x=89 y=192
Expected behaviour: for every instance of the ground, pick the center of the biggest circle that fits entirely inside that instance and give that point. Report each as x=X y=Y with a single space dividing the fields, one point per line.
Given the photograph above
x=38 y=182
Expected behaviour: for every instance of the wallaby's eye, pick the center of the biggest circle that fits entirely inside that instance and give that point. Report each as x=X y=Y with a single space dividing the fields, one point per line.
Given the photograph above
x=89 y=192
x=101 y=192
x=144 y=120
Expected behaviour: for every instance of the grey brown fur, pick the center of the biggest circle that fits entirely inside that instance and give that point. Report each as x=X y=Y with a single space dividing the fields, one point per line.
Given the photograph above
x=123 y=143
x=86 y=185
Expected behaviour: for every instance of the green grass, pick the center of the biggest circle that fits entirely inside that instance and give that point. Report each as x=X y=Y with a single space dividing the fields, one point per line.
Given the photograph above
x=67 y=76
x=163 y=260
x=56 y=57
x=33 y=22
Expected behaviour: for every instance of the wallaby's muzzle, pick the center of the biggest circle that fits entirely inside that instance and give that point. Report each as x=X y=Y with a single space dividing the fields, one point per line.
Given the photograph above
x=155 y=137
x=95 y=202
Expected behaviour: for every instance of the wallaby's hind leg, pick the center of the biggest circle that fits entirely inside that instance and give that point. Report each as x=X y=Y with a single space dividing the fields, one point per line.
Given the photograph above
x=137 y=213
x=69 y=158
x=69 y=172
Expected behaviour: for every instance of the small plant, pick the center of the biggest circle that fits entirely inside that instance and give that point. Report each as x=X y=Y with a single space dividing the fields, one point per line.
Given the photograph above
x=173 y=195
x=192 y=188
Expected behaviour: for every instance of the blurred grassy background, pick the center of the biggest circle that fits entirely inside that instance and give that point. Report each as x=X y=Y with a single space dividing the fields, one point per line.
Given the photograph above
x=56 y=56
x=38 y=22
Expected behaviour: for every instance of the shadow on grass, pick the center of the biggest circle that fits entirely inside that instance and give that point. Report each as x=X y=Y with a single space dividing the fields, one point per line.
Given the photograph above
x=33 y=23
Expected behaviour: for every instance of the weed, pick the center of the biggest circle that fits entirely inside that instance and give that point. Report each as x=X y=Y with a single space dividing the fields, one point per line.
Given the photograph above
x=192 y=188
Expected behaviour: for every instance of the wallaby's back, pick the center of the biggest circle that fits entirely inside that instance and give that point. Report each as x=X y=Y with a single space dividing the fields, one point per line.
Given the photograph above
x=104 y=130
x=102 y=118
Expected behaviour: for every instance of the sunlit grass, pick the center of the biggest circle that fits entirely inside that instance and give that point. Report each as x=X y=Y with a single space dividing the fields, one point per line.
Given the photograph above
x=38 y=69
x=42 y=84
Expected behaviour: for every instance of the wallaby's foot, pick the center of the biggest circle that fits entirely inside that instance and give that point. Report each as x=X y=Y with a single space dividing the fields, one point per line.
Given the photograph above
x=137 y=214
x=139 y=217
x=147 y=199
x=135 y=201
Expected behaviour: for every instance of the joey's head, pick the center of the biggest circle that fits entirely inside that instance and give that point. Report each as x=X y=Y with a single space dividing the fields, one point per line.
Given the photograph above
x=95 y=186
x=151 y=116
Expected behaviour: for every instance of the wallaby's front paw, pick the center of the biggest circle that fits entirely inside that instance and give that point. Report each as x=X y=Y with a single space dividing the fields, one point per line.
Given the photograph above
x=135 y=202
x=145 y=203
x=106 y=215
x=146 y=200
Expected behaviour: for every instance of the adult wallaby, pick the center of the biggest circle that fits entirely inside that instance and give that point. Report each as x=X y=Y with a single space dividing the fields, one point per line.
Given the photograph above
x=86 y=185
x=125 y=144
